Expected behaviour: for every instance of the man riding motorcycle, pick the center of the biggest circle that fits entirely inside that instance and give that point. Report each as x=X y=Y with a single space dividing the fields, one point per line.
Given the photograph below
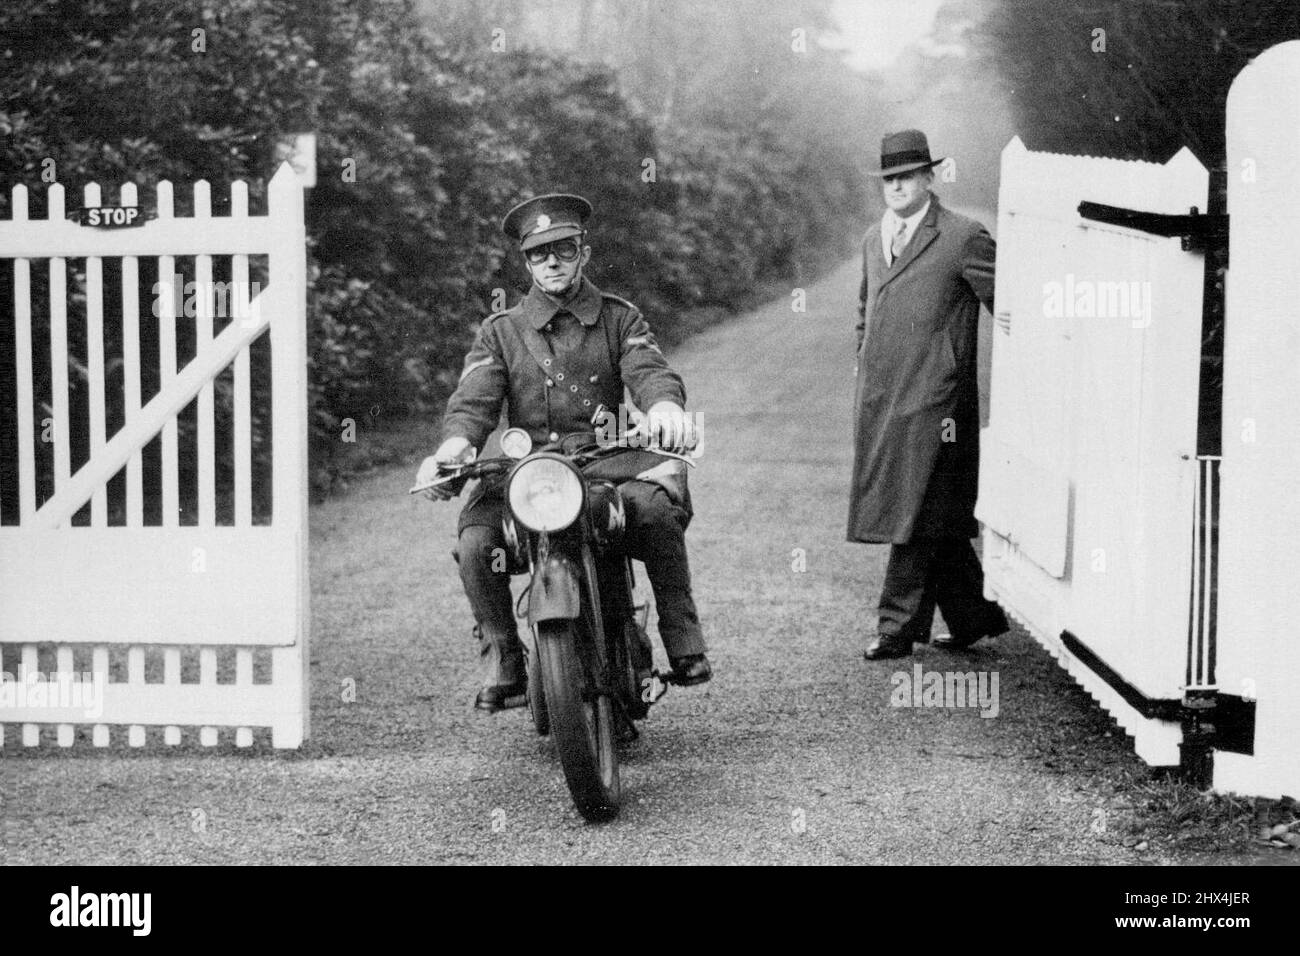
x=555 y=358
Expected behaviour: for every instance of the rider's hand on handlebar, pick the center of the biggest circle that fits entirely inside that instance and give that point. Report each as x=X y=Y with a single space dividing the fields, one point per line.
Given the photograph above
x=454 y=451
x=670 y=427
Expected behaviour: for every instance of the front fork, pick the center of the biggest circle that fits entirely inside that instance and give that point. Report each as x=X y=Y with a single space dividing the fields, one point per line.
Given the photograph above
x=559 y=580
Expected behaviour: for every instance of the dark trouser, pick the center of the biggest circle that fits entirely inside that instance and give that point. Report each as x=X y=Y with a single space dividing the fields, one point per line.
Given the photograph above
x=656 y=535
x=942 y=571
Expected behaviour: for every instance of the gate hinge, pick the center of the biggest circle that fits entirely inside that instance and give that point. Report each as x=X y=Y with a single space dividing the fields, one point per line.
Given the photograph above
x=1199 y=231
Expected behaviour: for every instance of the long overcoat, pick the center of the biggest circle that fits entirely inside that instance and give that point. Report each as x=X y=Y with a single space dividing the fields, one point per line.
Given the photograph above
x=916 y=408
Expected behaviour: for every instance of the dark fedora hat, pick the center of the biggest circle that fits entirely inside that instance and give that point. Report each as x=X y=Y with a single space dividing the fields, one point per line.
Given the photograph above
x=543 y=219
x=903 y=152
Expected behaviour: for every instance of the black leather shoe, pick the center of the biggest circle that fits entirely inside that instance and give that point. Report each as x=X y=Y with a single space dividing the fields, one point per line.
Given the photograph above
x=888 y=645
x=691 y=670
x=997 y=624
x=502 y=696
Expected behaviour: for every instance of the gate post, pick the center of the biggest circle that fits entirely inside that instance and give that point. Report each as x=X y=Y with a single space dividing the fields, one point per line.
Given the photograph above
x=1259 y=651
x=289 y=440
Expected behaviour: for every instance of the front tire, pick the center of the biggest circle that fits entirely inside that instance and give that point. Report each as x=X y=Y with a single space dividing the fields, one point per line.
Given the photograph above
x=536 y=689
x=581 y=723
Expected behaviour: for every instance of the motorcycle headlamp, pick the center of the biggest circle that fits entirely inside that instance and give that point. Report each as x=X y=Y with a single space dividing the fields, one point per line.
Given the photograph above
x=545 y=493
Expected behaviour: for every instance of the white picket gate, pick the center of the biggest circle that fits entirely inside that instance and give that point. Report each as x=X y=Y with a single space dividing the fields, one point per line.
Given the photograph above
x=1088 y=466
x=119 y=596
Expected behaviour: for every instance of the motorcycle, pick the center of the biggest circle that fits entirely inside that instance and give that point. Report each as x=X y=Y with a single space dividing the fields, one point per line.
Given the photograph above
x=589 y=659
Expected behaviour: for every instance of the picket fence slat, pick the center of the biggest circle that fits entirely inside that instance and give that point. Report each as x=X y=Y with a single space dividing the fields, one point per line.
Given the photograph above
x=59 y=348
x=135 y=679
x=243 y=437
x=99 y=666
x=131 y=368
x=95 y=361
x=171 y=679
x=167 y=363
x=207 y=681
x=204 y=325
x=63 y=666
x=244 y=680
x=23 y=367
x=31 y=732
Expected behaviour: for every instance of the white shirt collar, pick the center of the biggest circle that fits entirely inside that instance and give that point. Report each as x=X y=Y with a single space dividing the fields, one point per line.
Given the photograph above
x=889 y=226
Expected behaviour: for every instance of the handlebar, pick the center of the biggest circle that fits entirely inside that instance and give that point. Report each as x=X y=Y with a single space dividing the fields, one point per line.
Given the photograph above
x=581 y=455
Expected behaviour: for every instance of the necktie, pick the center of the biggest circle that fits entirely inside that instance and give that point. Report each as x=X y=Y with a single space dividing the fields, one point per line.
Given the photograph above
x=896 y=247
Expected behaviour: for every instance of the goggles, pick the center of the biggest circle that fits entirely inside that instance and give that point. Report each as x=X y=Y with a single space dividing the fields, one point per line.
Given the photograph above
x=566 y=250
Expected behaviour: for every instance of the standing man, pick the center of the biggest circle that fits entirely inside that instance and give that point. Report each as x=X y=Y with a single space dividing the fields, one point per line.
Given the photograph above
x=553 y=359
x=926 y=270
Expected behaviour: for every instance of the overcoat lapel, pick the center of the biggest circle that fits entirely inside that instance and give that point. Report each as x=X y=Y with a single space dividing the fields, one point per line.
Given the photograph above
x=926 y=233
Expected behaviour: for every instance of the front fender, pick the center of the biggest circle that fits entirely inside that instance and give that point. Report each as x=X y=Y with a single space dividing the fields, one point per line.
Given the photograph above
x=556 y=592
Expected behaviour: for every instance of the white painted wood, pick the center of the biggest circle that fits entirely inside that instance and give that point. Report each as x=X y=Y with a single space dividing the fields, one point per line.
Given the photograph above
x=176 y=237
x=168 y=585
x=134 y=682
x=131 y=367
x=203 y=319
x=287 y=667
x=23 y=367
x=207 y=682
x=288 y=263
x=167 y=310
x=244 y=679
x=27 y=665
x=1087 y=466
x=63 y=665
x=172 y=683
x=95 y=361
x=191 y=705
x=174 y=586
x=1258 y=655
x=98 y=666
x=242 y=440
x=59 y=346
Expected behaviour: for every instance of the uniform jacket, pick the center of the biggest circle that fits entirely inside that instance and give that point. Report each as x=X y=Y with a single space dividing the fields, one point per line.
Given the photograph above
x=916 y=408
x=553 y=365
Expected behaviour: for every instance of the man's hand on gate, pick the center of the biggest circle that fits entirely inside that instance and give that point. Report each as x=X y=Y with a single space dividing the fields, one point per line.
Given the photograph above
x=669 y=427
x=454 y=451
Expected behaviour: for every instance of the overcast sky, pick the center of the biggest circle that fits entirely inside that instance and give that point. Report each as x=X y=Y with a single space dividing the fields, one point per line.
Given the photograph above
x=875 y=31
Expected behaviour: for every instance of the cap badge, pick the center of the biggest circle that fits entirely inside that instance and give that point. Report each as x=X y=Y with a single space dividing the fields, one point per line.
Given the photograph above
x=543 y=223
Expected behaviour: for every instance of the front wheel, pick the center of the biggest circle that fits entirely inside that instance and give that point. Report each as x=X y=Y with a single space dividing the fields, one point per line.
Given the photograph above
x=582 y=722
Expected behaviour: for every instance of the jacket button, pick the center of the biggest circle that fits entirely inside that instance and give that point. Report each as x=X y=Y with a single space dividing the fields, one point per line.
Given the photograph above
x=559 y=376
x=549 y=383
x=573 y=388
x=586 y=401
x=554 y=436
x=593 y=379
x=546 y=362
